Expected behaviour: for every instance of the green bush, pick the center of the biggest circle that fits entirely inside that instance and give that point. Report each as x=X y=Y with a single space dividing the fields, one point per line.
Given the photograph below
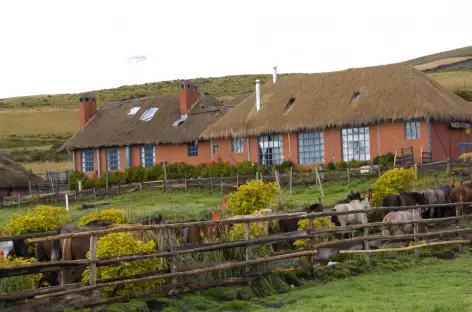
x=384 y=160
x=246 y=168
x=118 y=244
x=392 y=181
x=252 y=196
x=111 y=215
x=18 y=283
x=39 y=219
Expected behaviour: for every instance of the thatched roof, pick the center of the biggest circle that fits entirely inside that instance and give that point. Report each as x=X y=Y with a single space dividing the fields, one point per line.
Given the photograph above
x=112 y=126
x=12 y=174
x=388 y=92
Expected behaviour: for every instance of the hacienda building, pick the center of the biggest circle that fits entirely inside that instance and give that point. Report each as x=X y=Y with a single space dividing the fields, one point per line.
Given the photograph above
x=307 y=119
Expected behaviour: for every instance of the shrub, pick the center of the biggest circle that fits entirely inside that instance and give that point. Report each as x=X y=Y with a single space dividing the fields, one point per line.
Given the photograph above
x=18 y=283
x=246 y=168
x=252 y=196
x=111 y=215
x=39 y=219
x=384 y=160
x=118 y=244
x=318 y=223
x=238 y=231
x=392 y=181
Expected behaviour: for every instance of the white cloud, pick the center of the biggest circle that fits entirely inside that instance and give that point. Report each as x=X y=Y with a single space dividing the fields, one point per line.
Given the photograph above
x=64 y=46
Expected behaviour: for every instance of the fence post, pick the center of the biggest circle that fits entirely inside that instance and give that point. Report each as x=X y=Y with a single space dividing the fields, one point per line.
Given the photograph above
x=211 y=183
x=171 y=260
x=93 y=266
x=348 y=175
x=311 y=258
x=95 y=193
x=366 y=242
x=247 y=235
x=237 y=180
x=165 y=175
x=416 y=170
x=277 y=180
x=257 y=175
x=29 y=187
x=448 y=168
x=415 y=231
x=19 y=200
x=290 y=181
x=221 y=191
x=67 y=201
x=106 y=181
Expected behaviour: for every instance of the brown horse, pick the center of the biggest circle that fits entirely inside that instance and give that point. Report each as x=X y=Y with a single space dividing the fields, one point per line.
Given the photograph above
x=73 y=248
x=461 y=193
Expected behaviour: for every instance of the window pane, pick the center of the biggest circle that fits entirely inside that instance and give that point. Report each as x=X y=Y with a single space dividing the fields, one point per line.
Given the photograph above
x=310 y=147
x=356 y=145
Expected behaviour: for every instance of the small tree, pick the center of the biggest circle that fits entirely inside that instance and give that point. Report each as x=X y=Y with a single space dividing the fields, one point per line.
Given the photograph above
x=111 y=215
x=392 y=181
x=39 y=219
x=252 y=196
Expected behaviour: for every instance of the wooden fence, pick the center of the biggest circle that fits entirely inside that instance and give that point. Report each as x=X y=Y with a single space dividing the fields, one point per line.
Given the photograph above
x=58 y=194
x=318 y=251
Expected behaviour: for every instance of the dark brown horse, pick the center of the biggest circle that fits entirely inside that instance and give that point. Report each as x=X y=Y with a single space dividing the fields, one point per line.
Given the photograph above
x=73 y=248
x=461 y=193
x=403 y=199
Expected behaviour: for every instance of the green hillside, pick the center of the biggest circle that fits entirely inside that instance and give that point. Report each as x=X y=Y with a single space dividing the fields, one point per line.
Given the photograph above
x=461 y=52
x=221 y=87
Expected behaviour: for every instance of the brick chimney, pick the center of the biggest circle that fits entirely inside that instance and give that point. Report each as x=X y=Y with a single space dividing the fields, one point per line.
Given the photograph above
x=188 y=95
x=87 y=108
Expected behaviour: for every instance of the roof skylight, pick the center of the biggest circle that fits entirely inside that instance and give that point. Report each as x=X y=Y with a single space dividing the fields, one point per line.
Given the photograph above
x=180 y=120
x=149 y=113
x=134 y=110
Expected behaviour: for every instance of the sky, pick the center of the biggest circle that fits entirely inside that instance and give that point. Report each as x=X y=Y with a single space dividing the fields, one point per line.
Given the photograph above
x=49 y=47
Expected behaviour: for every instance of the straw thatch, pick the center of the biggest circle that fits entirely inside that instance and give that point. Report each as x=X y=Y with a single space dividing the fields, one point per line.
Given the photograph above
x=112 y=126
x=388 y=92
x=12 y=174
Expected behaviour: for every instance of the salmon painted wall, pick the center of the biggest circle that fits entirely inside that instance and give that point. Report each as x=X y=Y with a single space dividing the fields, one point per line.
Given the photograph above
x=445 y=141
x=225 y=151
x=392 y=137
x=178 y=153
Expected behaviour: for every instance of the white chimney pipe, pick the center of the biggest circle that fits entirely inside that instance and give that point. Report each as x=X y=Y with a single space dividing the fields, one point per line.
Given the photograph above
x=258 y=94
x=274 y=75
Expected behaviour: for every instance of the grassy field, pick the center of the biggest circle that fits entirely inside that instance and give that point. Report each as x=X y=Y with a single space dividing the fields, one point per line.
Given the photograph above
x=194 y=204
x=42 y=167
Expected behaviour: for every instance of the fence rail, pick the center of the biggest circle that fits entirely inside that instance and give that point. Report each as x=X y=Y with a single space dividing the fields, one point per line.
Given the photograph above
x=248 y=244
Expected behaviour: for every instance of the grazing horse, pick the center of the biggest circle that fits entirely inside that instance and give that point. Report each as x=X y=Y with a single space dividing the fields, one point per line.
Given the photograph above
x=74 y=248
x=403 y=199
x=401 y=229
x=17 y=248
x=350 y=197
x=461 y=193
x=344 y=220
x=433 y=197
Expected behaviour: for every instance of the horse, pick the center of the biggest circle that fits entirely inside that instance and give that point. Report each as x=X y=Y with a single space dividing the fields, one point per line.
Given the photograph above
x=350 y=197
x=17 y=248
x=357 y=218
x=401 y=216
x=403 y=199
x=433 y=197
x=73 y=248
x=155 y=220
x=461 y=193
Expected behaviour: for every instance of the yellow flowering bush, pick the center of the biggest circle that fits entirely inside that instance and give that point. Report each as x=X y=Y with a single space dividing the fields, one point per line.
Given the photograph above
x=118 y=244
x=252 y=196
x=115 y=216
x=18 y=283
x=318 y=223
x=42 y=218
x=392 y=181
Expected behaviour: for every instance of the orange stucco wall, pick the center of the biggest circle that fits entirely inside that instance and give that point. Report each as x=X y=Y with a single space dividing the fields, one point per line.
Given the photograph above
x=384 y=138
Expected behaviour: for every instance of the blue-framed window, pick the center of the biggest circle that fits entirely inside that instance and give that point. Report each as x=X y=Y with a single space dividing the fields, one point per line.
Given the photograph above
x=356 y=143
x=113 y=159
x=148 y=156
x=311 y=147
x=88 y=161
x=192 y=149
x=270 y=149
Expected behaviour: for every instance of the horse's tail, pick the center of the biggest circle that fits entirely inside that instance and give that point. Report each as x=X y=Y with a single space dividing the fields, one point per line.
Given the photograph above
x=66 y=249
x=56 y=250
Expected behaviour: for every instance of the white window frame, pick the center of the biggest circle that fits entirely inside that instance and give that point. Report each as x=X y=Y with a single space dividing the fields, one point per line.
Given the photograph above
x=111 y=152
x=84 y=161
x=355 y=143
x=311 y=147
x=237 y=145
x=412 y=130
x=192 y=149
x=145 y=164
x=271 y=150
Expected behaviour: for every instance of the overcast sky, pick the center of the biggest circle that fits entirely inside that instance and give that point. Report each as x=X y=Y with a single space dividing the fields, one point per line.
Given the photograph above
x=51 y=47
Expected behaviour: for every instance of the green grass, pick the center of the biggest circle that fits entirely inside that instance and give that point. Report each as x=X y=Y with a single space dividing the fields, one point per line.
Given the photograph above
x=441 y=287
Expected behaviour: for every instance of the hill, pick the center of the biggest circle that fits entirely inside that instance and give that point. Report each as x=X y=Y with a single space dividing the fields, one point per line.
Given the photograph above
x=461 y=52
x=225 y=87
